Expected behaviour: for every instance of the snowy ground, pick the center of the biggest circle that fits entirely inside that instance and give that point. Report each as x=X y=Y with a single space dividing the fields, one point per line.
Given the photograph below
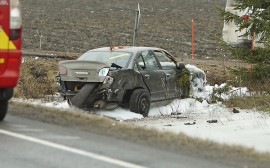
x=248 y=128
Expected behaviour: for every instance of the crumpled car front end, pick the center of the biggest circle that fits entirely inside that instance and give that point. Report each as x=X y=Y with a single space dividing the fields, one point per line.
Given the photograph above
x=197 y=78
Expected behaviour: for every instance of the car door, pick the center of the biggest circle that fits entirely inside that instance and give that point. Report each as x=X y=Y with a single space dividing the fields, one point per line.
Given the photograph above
x=152 y=74
x=170 y=72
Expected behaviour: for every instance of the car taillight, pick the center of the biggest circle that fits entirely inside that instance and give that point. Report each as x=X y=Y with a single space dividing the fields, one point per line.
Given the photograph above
x=103 y=72
x=62 y=71
x=15 y=19
x=245 y=17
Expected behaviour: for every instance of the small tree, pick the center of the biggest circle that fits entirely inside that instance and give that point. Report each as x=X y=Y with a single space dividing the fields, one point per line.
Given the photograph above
x=258 y=23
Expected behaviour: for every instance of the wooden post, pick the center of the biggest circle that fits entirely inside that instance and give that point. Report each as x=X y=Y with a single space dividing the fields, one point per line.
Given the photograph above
x=193 y=37
x=253 y=41
x=252 y=47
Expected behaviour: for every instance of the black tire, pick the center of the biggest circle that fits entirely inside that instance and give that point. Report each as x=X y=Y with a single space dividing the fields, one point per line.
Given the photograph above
x=140 y=102
x=6 y=94
x=3 y=109
x=69 y=102
x=80 y=98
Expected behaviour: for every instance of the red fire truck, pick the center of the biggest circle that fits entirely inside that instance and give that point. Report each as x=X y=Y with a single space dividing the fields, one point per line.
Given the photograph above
x=10 y=50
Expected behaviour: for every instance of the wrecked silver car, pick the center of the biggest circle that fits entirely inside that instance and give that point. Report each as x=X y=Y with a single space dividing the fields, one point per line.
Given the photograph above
x=131 y=77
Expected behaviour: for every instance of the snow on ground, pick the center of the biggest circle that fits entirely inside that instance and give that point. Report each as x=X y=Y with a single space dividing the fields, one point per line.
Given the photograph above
x=248 y=128
x=52 y=104
x=120 y=114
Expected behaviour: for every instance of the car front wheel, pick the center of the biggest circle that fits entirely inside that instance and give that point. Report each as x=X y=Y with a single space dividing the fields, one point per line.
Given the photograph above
x=140 y=102
x=3 y=109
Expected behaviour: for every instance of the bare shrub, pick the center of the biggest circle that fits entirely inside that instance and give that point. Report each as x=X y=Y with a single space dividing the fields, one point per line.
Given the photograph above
x=37 y=78
x=259 y=98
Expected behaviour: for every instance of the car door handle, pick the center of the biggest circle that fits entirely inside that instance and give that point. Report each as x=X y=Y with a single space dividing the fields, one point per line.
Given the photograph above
x=147 y=76
x=168 y=75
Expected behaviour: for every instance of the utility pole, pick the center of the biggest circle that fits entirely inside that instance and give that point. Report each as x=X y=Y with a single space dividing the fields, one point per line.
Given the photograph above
x=137 y=22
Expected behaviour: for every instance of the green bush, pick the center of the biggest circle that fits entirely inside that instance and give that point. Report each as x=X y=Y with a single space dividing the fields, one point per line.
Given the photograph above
x=184 y=82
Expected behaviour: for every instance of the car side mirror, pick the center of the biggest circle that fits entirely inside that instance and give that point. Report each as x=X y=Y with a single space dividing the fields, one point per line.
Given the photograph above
x=180 y=65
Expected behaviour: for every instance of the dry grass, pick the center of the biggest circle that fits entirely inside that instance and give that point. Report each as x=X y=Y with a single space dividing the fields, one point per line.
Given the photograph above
x=217 y=74
x=259 y=93
x=259 y=102
x=259 y=97
x=37 y=78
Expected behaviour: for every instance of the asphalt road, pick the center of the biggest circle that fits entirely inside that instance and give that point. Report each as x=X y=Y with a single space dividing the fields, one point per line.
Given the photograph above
x=28 y=143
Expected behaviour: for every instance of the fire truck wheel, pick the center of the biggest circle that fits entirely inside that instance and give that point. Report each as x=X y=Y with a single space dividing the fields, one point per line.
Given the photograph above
x=3 y=109
x=6 y=94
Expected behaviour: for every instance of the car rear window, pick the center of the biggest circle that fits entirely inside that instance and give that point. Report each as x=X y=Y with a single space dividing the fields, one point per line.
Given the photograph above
x=119 y=58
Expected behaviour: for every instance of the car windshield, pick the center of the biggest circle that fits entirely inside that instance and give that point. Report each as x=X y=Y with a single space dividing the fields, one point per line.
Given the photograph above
x=109 y=57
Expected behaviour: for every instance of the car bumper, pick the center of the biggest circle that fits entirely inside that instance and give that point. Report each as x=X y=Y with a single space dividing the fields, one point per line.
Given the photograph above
x=98 y=97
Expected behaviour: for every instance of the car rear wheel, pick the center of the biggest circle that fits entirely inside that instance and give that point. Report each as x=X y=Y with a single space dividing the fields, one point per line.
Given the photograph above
x=140 y=102
x=3 y=109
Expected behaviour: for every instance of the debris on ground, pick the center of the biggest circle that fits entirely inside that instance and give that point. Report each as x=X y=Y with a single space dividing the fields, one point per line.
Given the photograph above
x=190 y=123
x=235 y=110
x=180 y=117
x=176 y=113
x=212 y=121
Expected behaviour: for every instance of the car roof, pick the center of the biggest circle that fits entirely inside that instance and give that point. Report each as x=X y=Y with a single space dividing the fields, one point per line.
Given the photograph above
x=131 y=49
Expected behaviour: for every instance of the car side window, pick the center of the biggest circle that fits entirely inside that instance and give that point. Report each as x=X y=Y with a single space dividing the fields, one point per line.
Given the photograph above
x=166 y=62
x=147 y=61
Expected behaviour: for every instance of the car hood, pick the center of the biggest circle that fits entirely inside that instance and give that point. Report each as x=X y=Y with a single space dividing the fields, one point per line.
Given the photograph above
x=83 y=71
